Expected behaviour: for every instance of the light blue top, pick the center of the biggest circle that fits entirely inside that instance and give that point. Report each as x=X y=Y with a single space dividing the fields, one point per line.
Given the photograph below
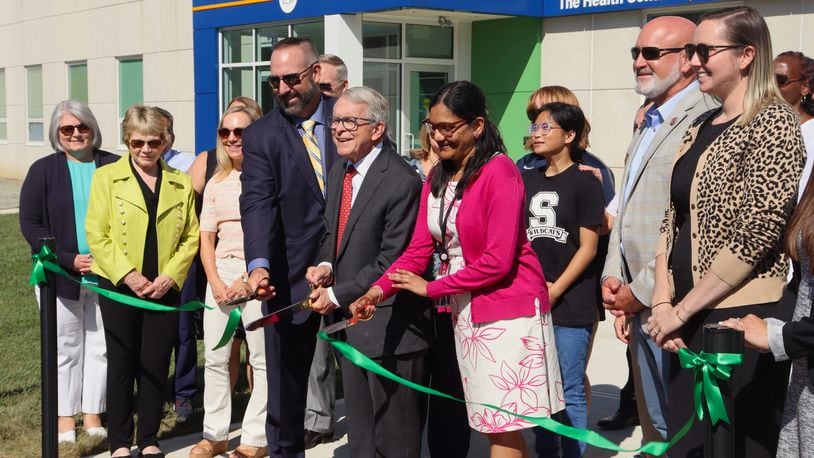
x=81 y=175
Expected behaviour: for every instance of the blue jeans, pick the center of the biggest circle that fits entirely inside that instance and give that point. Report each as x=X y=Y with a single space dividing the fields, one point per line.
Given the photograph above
x=572 y=351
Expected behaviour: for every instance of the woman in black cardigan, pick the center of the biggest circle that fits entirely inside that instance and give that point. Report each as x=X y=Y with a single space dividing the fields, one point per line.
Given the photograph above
x=53 y=203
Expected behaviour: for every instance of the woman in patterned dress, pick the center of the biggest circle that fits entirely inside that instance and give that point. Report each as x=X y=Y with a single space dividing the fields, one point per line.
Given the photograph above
x=472 y=207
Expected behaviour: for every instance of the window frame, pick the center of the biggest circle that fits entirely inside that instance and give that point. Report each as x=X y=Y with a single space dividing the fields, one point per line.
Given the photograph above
x=119 y=113
x=68 y=77
x=29 y=119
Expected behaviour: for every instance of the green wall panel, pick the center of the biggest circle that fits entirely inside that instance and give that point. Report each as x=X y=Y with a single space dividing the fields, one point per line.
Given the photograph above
x=506 y=66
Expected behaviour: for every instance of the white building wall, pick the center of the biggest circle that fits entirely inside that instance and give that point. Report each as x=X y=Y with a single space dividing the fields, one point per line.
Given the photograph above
x=589 y=54
x=53 y=33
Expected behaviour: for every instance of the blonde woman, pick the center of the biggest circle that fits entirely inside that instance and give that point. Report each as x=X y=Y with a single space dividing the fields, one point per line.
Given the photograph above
x=225 y=268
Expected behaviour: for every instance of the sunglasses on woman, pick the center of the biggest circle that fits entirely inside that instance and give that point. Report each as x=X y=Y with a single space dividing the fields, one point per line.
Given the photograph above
x=68 y=130
x=704 y=50
x=139 y=144
x=783 y=80
x=223 y=132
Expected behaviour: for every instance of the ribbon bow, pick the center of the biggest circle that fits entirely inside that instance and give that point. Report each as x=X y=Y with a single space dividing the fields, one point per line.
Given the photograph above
x=44 y=260
x=707 y=369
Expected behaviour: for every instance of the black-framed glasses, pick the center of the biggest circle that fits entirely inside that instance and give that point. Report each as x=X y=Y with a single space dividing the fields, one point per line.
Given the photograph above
x=783 y=80
x=704 y=50
x=325 y=87
x=291 y=79
x=543 y=128
x=139 y=144
x=223 y=132
x=68 y=130
x=445 y=128
x=652 y=52
x=350 y=123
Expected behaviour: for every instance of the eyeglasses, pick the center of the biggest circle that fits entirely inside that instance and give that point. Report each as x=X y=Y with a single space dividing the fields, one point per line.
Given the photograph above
x=139 y=144
x=224 y=133
x=350 y=122
x=703 y=50
x=544 y=128
x=652 y=52
x=445 y=128
x=326 y=87
x=783 y=80
x=68 y=130
x=291 y=79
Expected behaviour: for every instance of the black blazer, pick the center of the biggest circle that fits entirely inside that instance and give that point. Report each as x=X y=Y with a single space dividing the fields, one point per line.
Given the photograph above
x=379 y=228
x=281 y=204
x=46 y=210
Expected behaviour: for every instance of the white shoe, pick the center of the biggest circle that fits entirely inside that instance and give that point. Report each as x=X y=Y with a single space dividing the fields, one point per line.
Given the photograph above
x=98 y=431
x=67 y=436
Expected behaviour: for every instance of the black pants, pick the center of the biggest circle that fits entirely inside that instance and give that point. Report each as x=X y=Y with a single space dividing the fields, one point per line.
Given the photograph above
x=447 y=424
x=139 y=344
x=385 y=418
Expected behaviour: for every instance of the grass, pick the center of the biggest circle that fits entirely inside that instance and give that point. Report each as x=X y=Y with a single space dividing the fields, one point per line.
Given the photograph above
x=20 y=407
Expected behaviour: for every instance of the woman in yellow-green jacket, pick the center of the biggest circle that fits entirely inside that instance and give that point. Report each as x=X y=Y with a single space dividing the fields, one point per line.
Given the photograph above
x=143 y=233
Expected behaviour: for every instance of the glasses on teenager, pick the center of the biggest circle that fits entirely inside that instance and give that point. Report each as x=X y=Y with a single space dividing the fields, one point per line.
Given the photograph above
x=444 y=128
x=652 y=52
x=783 y=80
x=704 y=50
x=68 y=130
x=223 y=132
x=139 y=144
x=350 y=122
x=291 y=79
x=543 y=128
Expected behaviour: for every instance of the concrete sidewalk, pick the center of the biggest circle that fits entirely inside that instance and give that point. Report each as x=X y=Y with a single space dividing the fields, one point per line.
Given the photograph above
x=607 y=371
x=9 y=195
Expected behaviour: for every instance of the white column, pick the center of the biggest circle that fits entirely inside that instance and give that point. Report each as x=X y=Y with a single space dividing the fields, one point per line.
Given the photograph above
x=343 y=37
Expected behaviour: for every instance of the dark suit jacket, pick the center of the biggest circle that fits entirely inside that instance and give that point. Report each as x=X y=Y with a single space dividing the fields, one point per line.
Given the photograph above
x=46 y=210
x=281 y=204
x=378 y=230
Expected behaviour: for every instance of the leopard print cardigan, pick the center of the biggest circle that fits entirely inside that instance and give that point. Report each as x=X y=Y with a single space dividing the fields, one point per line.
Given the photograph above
x=741 y=198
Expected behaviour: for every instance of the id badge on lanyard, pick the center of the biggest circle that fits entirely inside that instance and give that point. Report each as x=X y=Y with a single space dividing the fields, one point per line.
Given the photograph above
x=442 y=304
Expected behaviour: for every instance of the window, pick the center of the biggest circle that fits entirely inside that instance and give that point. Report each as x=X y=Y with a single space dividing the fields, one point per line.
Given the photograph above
x=429 y=41
x=131 y=84
x=78 y=82
x=33 y=78
x=3 y=125
x=245 y=54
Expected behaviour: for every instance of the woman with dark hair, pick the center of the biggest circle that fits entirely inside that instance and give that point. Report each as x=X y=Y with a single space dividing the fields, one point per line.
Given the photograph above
x=472 y=209
x=720 y=253
x=565 y=210
x=794 y=72
x=53 y=203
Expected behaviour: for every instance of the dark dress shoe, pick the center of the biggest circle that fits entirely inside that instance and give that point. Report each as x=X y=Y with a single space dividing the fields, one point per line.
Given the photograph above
x=152 y=455
x=619 y=420
x=313 y=438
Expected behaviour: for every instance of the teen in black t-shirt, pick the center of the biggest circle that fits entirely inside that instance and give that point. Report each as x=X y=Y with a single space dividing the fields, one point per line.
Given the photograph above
x=564 y=209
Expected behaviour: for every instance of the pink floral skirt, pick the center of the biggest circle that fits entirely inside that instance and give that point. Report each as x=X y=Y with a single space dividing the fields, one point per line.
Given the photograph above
x=508 y=363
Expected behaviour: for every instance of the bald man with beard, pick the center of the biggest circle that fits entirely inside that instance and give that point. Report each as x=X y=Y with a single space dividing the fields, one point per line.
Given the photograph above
x=662 y=74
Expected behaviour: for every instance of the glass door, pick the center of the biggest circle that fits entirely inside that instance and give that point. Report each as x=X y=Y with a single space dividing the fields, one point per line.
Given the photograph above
x=422 y=82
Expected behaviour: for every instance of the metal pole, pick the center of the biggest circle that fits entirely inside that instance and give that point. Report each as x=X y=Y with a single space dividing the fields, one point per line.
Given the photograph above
x=48 y=361
x=720 y=442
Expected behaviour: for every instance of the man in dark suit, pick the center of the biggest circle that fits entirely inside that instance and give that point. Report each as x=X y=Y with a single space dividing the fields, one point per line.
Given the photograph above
x=369 y=218
x=286 y=154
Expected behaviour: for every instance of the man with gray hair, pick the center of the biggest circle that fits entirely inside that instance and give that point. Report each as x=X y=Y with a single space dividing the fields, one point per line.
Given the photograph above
x=370 y=212
x=662 y=75
x=333 y=80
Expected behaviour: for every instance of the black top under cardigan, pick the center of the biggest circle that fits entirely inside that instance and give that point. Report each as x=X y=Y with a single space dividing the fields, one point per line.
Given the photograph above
x=46 y=210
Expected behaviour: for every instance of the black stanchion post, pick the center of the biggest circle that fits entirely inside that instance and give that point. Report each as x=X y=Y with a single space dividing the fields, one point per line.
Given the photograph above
x=719 y=441
x=48 y=361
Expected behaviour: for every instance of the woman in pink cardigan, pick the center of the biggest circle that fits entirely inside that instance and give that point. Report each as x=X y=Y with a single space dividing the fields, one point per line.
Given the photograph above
x=472 y=208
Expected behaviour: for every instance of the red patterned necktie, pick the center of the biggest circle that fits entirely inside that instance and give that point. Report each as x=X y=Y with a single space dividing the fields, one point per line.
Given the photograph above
x=344 y=205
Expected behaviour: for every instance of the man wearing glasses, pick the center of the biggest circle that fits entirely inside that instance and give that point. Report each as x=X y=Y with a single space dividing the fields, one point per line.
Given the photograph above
x=373 y=197
x=333 y=77
x=663 y=76
x=287 y=154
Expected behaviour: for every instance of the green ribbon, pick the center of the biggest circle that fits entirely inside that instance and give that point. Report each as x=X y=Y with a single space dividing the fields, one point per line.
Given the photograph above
x=708 y=368
x=231 y=325
x=46 y=260
x=716 y=365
